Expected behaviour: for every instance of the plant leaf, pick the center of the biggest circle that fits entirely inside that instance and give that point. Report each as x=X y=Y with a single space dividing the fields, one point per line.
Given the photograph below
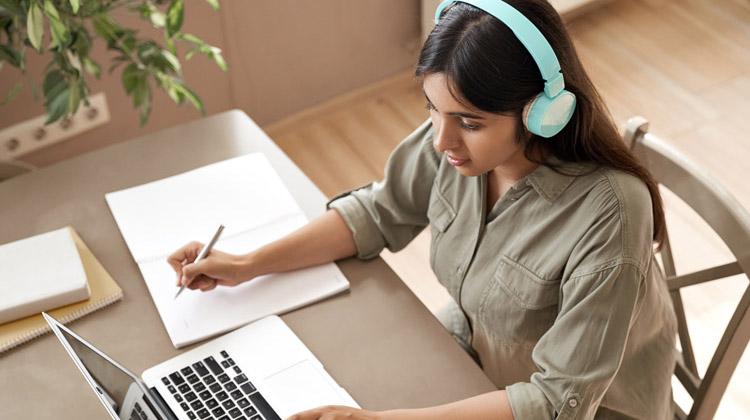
x=35 y=26
x=13 y=6
x=75 y=4
x=175 y=15
x=158 y=19
x=74 y=97
x=10 y=55
x=214 y=4
x=92 y=67
x=130 y=78
x=12 y=93
x=60 y=32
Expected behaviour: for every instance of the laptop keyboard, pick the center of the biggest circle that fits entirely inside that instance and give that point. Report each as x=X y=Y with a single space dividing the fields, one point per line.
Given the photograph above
x=215 y=388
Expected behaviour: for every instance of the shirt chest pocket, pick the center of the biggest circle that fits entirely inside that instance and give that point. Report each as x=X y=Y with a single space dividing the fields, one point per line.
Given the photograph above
x=441 y=215
x=517 y=305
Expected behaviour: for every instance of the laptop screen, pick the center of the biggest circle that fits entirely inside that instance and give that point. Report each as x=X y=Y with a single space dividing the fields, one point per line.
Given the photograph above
x=117 y=387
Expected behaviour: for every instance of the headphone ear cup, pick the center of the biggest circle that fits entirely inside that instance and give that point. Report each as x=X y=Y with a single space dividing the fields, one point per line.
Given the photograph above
x=546 y=116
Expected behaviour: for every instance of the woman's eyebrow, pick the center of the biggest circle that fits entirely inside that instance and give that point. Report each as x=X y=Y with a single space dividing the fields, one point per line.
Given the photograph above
x=457 y=114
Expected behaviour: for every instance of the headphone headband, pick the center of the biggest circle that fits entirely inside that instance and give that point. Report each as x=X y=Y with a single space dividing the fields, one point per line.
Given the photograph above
x=527 y=33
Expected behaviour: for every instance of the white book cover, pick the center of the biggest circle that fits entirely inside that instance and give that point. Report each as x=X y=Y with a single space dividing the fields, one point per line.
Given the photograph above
x=40 y=273
x=247 y=196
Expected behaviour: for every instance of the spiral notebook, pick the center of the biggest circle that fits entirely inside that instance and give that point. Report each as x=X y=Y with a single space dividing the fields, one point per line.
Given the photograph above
x=104 y=291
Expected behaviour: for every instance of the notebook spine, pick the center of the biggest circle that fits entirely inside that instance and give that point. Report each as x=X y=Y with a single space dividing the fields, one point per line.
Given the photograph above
x=64 y=320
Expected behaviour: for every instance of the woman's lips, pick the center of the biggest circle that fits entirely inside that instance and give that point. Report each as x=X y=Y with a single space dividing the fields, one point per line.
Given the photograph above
x=455 y=161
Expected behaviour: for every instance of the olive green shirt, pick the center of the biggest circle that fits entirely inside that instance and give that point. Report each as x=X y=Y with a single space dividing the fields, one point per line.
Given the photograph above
x=567 y=307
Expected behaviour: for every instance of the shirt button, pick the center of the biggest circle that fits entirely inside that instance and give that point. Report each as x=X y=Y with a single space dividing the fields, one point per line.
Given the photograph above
x=573 y=403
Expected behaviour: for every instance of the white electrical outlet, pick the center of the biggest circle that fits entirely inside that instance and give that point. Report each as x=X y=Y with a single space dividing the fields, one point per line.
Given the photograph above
x=30 y=135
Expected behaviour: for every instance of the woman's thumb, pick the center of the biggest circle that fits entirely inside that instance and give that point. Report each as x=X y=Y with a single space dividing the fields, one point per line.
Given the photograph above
x=192 y=270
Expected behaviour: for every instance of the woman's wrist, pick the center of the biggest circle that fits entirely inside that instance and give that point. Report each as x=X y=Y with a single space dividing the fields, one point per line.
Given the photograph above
x=249 y=266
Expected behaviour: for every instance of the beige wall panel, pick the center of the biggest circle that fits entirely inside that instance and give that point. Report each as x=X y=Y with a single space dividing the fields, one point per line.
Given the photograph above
x=289 y=55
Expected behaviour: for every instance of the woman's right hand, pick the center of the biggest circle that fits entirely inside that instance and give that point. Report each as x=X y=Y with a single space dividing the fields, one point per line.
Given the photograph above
x=218 y=268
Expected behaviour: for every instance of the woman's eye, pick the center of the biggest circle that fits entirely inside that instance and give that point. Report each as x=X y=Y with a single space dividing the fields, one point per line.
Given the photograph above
x=469 y=127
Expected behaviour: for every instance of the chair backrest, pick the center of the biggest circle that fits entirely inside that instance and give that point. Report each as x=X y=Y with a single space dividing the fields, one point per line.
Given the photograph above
x=724 y=214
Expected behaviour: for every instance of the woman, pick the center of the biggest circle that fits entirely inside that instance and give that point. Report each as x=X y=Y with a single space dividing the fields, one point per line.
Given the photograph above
x=543 y=234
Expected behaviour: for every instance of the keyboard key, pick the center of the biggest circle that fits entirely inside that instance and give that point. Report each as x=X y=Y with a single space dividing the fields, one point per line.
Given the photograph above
x=176 y=378
x=247 y=388
x=222 y=395
x=190 y=396
x=205 y=395
x=228 y=404
x=224 y=354
x=138 y=408
x=250 y=411
x=218 y=411
x=223 y=378
x=203 y=413
x=211 y=403
x=211 y=363
x=209 y=379
x=236 y=394
x=197 y=404
x=243 y=403
x=230 y=386
x=199 y=387
x=185 y=406
x=215 y=388
x=186 y=371
x=262 y=405
x=165 y=381
x=224 y=418
x=178 y=397
x=237 y=369
x=235 y=412
x=184 y=388
x=191 y=415
x=225 y=364
x=200 y=369
x=171 y=389
x=240 y=379
x=192 y=379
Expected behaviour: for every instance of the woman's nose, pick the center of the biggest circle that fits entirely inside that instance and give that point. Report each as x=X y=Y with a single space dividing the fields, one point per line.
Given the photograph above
x=444 y=138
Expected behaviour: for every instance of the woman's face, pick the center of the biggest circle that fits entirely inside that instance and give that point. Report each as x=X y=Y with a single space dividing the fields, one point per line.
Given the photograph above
x=474 y=141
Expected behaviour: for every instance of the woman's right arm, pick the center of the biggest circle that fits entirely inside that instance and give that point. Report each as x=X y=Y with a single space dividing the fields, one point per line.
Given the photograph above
x=325 y=239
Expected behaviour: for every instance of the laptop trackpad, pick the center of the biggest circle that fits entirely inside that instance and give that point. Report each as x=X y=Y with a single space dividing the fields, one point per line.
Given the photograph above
x=300 y=387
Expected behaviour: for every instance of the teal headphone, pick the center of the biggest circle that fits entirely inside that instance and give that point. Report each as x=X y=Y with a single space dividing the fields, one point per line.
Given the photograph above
x=549 y=111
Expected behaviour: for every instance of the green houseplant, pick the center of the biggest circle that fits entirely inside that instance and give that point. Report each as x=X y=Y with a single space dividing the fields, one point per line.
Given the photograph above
x=66 y=29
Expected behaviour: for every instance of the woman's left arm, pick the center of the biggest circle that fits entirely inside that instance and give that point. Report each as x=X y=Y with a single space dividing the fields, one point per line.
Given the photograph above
x=492 y=405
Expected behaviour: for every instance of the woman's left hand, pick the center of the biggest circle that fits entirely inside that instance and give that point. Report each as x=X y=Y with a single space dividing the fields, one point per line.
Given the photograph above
x=335 y=412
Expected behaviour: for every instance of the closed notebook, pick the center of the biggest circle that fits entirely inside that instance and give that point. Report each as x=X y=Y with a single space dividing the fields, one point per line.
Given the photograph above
x=39 y=273
x=103 y=291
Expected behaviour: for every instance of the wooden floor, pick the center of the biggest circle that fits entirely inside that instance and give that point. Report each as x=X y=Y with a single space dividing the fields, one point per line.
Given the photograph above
x=683 y=64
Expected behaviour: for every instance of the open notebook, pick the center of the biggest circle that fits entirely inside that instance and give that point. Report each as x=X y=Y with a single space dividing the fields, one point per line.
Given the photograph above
x=103 y=291
x=247 y=196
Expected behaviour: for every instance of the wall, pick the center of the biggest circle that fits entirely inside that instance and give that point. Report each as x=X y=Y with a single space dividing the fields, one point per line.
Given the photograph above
x=284 y=56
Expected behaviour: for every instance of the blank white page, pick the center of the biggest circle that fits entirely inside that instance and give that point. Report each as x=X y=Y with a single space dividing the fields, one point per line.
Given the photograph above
x=242 y=193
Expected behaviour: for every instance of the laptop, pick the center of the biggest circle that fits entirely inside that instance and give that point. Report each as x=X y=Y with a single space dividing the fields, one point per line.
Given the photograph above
x=261 y=371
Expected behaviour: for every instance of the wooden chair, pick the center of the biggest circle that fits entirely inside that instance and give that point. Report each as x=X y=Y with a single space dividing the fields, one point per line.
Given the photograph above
x=724 y=214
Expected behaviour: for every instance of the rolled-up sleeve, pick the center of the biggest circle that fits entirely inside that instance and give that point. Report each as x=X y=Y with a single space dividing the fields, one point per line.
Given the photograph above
x=390 y=213
x=579 y=356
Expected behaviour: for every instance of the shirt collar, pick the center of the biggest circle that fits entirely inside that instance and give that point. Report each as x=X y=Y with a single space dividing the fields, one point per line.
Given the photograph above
x=550 y=183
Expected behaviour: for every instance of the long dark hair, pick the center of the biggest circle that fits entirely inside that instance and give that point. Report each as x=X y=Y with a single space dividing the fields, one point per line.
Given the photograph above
x=490 y=68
